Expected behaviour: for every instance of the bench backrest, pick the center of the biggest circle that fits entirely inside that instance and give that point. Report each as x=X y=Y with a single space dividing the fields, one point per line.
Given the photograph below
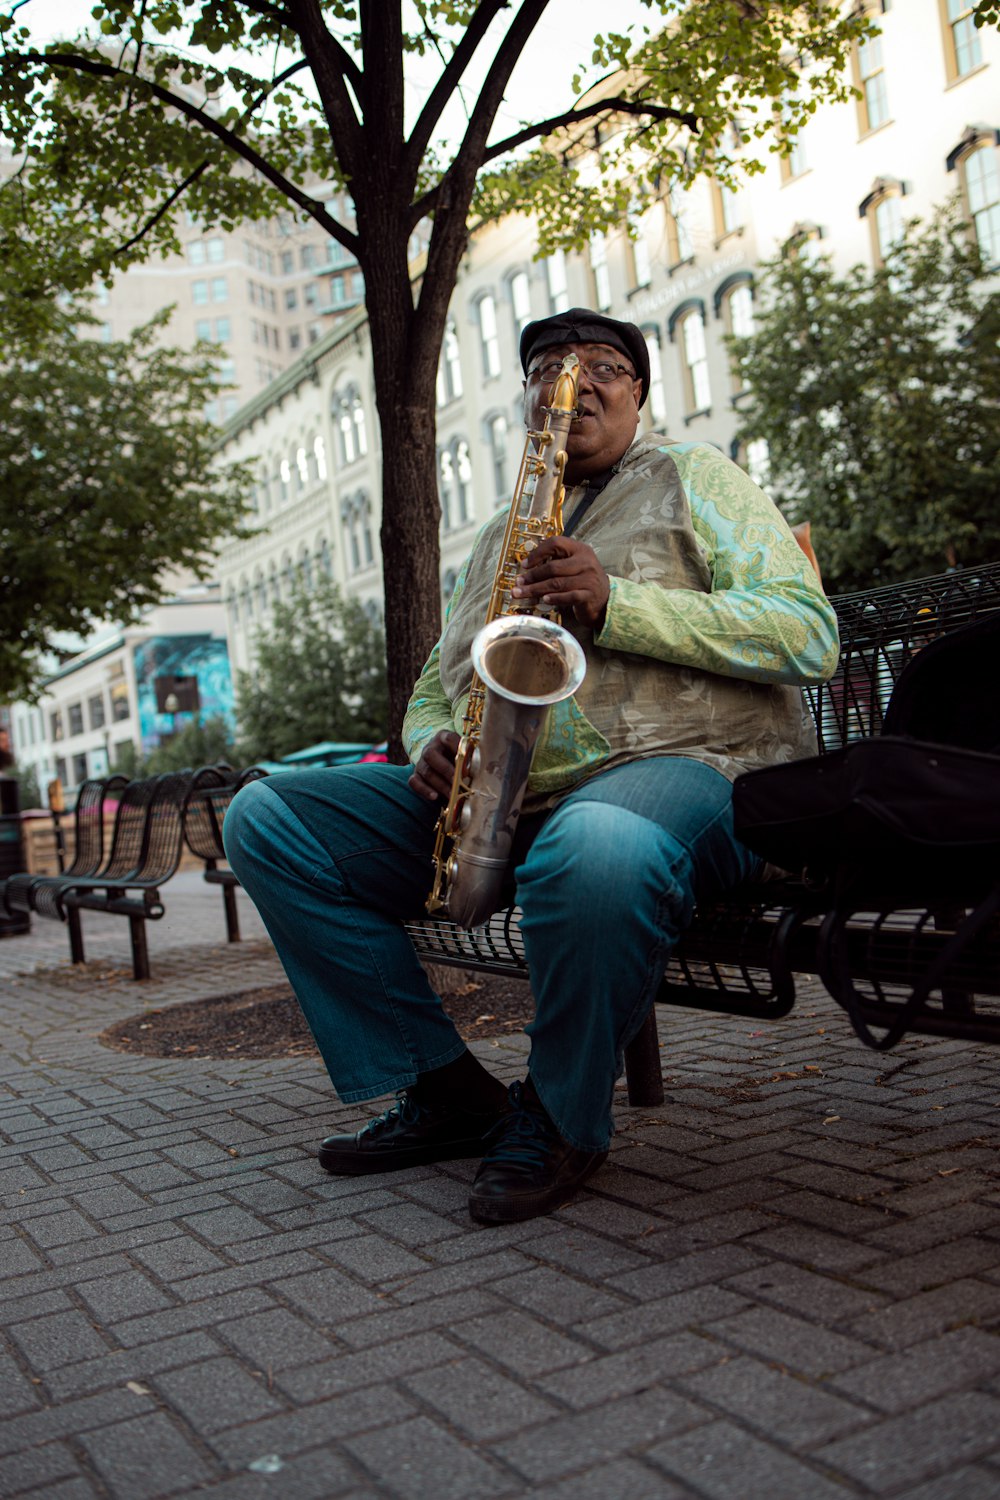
x=209 y=795
x=88 y=823
x=880 y=631
x=161 y=850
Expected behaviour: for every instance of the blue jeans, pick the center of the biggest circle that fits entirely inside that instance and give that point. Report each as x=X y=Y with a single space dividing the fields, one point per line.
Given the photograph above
x=335 y=860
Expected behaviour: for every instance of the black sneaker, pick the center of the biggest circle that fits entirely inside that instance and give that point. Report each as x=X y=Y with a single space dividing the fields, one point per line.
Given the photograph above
x=529 y=1169
x=409 y=1133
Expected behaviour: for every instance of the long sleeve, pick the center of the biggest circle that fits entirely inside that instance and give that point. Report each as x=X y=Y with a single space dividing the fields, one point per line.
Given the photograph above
x=430 y=708
x=766 y=618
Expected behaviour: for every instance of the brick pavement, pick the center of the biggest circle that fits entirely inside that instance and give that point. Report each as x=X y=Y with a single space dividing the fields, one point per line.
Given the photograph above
x=784 y=1284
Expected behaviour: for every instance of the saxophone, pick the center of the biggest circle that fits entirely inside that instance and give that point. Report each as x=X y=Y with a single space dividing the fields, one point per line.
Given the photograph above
x=523 y=661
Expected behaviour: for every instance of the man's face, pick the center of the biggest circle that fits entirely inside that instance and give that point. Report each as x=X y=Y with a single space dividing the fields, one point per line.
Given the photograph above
x=609 y=413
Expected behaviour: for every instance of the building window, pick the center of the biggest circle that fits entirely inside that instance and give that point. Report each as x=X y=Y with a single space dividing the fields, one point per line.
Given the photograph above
x=95 y=711
x=657 y=388
x=319 y=457
x=496 y=429
x=223 y=330
x=869 y=79
x=324 y=562
x=285 y=480
x=448 y=583
x=199 y=293
x=520 y=302
x=74 y=716
x=687 y=330
x=196 y=252
x=489 y=338
x=287 y=262
x=203 y=330
x=349 y=418
x=883 y=208
x=356 y=516
x=216 y=250
x=639 y=262
x=557 y=282
x=220 y=291
x=600 y=271
x=449 y=376
x=79 y=769
x=679 y=244
x=307 y=257
x=301 y=468
x=455 y=483
x=793 y=164
x=976 y=160
x=963 y=51
x=757 y=456
x=726 y=210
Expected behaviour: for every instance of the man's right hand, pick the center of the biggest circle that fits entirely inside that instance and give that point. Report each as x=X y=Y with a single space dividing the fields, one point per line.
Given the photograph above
x=434 y=772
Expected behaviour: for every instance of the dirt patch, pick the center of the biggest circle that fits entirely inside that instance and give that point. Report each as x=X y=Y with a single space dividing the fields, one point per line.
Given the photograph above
x=267 y=1022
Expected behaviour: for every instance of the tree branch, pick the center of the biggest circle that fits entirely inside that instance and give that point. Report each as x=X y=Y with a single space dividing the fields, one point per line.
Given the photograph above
x=449 y=81
x=332 y=67
x=76 y=62
x=617 y=105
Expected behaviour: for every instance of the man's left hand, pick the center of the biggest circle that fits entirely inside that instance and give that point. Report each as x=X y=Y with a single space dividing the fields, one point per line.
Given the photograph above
x=566 y=574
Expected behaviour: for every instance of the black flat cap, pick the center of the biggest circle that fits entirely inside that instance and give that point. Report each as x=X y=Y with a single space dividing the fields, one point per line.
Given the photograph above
x=581 y=325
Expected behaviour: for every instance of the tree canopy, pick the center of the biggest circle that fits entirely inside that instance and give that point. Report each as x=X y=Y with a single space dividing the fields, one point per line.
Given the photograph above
x=319 y=675
x=878 y=395
x=116 y=132
x=107 y=480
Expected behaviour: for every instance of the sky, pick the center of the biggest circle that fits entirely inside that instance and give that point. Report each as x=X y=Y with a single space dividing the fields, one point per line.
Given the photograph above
x=541 y=83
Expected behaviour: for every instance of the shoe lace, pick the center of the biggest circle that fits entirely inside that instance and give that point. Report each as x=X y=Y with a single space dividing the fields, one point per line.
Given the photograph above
x=406 y=1111
x=524 y=1135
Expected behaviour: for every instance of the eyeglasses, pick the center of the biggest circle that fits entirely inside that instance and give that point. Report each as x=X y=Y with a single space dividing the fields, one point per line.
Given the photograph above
x=603 y=371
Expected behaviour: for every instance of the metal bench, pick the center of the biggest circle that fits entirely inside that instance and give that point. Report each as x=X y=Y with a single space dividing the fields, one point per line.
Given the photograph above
x=145 y=852
x=209 y=795
x=35 y=893
x=741 y=957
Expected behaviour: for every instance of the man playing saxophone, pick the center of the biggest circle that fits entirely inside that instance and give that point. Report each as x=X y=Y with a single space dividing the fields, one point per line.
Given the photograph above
x=700 y=620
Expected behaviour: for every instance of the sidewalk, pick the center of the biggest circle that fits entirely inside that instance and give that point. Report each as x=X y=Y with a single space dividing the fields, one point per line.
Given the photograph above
x=785 y=1284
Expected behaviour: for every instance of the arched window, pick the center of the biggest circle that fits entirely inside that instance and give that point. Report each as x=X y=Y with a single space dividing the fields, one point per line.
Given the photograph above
x=687 y=329
x=324 y=561
x=734 y=305
x=285 y=480
x=680 y=245
x=489 y=337
x=301 y=468
x=726 y=210
x=976 y=160
x=260 y=594
x=657 y=389
x=305 y=568
x=448 y=583
x=449 y=377
x=349 y=419
x=496 y=434
x=356 y=517
x=446 y=483
x=274 y=587
x=883 y=208
x=520 y=302
x=287 y=576
x=319 y=456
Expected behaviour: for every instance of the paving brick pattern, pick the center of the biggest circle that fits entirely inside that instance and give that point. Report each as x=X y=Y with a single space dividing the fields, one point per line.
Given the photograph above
x=784 y=1284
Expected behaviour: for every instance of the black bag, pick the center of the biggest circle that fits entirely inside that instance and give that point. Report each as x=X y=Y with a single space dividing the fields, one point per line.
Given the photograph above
x=920 y=802
x=908 y=818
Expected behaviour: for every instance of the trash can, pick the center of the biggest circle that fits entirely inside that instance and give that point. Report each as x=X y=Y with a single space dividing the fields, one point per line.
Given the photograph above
x=12 y=859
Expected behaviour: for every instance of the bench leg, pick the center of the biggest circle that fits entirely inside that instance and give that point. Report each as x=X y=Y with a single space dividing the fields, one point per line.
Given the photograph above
x=643 y=1071
x=232 y=914
x=75 y=935
x=140 y=953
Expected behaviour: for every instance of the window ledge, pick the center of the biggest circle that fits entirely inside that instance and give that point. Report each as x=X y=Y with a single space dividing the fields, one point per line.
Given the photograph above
x=864 y=135
x=953 y=83
x=704 y=411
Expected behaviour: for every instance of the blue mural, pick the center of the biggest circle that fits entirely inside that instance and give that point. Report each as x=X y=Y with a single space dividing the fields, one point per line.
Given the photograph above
x=205 y=657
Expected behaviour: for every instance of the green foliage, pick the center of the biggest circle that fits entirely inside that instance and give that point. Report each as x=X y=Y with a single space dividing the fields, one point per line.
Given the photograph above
x=29 y=792
x=107 y=479
x=203 y=742
x=320 y=675
x=128 y=761
x=878 y=395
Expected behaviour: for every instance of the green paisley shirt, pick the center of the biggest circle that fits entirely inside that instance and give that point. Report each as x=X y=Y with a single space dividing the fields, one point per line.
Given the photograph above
x=715 y=620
